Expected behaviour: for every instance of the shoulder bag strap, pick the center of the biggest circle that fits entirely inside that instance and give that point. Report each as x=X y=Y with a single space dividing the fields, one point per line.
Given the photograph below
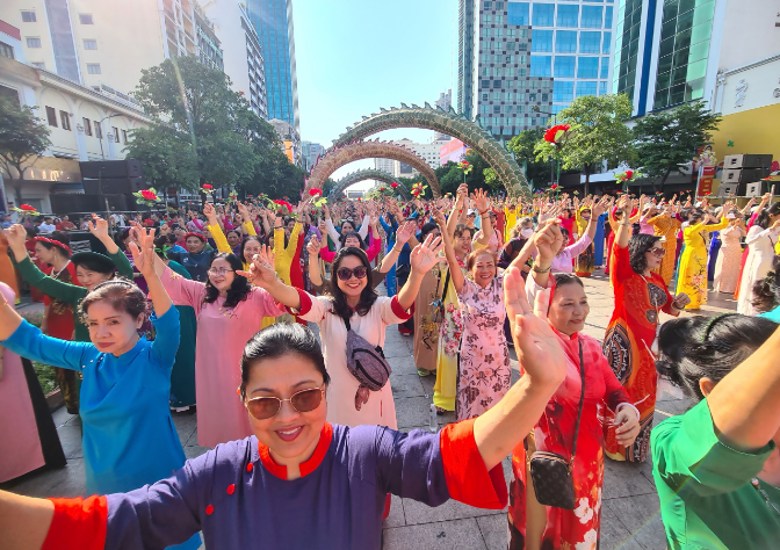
x=579 y=408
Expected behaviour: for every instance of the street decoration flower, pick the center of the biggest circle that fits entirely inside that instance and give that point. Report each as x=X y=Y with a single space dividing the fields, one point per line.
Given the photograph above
x=556 y=135
x=418 y=189
x=147 y=197
x=27 y=210
x=233 y=196
x=394 y=185
x=280 y=204
x=315 y=192
x=627 y=176
x=207 y=188
x=466 y=167
x=318 y=200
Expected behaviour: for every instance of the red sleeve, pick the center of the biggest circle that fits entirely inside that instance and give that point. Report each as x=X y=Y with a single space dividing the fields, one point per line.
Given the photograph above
x=399 y=312
x=78 y=524
x=375 y=247
x=468 y=480
x=327 y=254
x=621 y=264
x=305 y=303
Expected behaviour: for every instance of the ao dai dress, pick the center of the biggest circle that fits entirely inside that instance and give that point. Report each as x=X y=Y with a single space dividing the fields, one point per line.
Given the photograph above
x=483 y=369
x=761 y=251
x=221 y=337
x=692 y=276
x=727 y=264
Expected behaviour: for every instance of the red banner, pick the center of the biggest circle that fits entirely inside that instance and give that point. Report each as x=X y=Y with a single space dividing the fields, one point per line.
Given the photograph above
x=706 y=175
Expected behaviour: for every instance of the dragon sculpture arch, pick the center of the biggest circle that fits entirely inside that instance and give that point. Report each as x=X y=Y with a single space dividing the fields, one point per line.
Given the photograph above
x=368 y=174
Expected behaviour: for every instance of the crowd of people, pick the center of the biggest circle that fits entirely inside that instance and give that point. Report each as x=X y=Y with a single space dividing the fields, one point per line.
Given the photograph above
x=208 y=311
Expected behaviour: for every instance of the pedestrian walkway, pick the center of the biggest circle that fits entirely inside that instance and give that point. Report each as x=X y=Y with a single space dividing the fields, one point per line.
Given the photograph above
x=630 y=517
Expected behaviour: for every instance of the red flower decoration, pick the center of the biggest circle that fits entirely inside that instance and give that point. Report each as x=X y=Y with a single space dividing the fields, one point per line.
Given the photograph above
x=27 y=208
x=629 y=174
x=285 y=204
x=314 y=192
x=208 y=187
x=555 y=133
x=149 y=195
x=464 y=163
x=394 y=185
x=554 y=186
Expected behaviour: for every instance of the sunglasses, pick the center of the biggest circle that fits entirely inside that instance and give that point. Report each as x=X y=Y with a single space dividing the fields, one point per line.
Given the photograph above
x=345 y=273
x=658 y=252
x=263 y=408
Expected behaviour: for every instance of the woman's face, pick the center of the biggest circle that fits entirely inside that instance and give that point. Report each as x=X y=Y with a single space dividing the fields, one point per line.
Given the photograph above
x=179 y=232
x=569 y=308
x=90 y=279
x=347 y=227
x=251 y=248
x=353 y=287
x=655 y=255
x=484 y=269
x=194 y=245
x=110 y=330
x=165 y=229
x=462 y=243
x=352 y=241
x=221 y=275
x=233 y=239
x=290 y=435
x=44 y=254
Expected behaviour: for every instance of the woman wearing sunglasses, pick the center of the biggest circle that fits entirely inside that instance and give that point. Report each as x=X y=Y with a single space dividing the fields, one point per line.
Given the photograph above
x=640 y=295
x=351 y=300
x=301 y=481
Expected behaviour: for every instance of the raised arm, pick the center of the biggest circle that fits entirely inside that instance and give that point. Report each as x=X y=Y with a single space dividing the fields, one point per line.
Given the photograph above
x=215 y=229
x=482 y=202
x=99 y=228
x=402 y=236
x=422 y=259
x=456 y=275
x=262 y=274
x=145 y=259
x=623 y=233
x=315 y=272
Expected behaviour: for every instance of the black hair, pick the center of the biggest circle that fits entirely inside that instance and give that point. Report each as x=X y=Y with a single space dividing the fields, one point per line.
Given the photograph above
x=766 y=292
x=49 y=246
x=697 y=347
x=367 y=297
x=121 y=237
x=638 y=245
x=763 y=218
x=563 y=279
x=96 y=265
x=695 y=215
x=61 y=236
x=243 y=245
x=460 y=228
x=240 y=236
x=279 y=340
x=356 y=235
x=426 y=229
x=239 y=289
x=120 y=293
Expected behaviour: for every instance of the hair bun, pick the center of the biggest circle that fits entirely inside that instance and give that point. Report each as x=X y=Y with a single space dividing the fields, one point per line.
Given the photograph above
x=670 y=371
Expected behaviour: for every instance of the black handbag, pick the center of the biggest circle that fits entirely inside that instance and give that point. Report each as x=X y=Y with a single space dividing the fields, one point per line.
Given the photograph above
x=551 y=472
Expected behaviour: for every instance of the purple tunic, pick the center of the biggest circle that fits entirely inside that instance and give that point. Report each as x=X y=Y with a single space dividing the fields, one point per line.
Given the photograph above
x=231 y=495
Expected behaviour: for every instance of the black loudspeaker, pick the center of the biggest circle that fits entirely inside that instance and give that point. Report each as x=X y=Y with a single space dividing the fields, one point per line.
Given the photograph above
x=747 y=161
x=129 y=168
x=76 y=203
x=113 y=186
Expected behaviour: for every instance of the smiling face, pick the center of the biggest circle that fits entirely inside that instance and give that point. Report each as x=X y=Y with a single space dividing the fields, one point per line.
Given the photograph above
x=483 y=269
x=221 y=275
x=352 y=240
x=110 y=330
x=290 y=435
x=251 y=247
x=90 y=279
x=233 y=239
x=462 y=244
x=194 y=245
x=569 y=308
x=353 y=287
x=347 y=227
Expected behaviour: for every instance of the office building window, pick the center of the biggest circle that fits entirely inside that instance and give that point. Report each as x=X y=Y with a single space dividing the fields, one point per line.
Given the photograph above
x=33 y=42
x=588 y=67
x=566 y=42
x=568 y=15
x=51 y=116
x=518 y=13
x=65 y=120
x=98 y=131
x=541 y=41
x=116 y=133
x=604 y=73
x=607 y=44
x=87 y=124
x=93 y=68
x=602 y=88
x=543 y=15
x=563 y=91
x=6 y=50
x=608 y=17
x=541 y=65
x=90 y=44
x=28 y=16
x=591 y=17
x=124 y=137
x=586 y=88
x=86 y=19
x=564 y=66
x=590 y=42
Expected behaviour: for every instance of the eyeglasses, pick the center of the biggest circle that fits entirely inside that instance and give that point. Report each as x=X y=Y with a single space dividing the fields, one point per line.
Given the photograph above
x=345 y=273
x=220 y=271
x=263 y=408
x=657 y=252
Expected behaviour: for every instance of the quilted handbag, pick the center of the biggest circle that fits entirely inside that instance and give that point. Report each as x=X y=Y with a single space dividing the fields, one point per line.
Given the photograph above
x=551 y=472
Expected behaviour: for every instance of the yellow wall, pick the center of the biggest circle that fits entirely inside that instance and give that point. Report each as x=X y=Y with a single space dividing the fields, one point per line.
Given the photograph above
x=752 y=132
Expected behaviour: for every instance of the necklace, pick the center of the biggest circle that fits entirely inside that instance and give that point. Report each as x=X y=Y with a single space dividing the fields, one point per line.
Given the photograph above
x=757 y=486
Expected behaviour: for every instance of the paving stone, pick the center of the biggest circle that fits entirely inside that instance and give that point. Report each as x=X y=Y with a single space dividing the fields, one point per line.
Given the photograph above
x=70 y=439
x=396 y=517
x=459 y=534
x=417 y=512
x=641 y=517
x=413 y=411
x=407 y=385
x=65 y=482
x=622 y=479
x=186 y=425
x=614 y=535
x=494 y=531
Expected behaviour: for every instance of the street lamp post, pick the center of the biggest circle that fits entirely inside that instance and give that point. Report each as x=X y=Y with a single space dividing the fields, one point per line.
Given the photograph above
x=538 y=109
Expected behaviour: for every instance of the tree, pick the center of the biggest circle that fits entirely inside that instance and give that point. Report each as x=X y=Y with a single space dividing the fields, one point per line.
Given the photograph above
x=522 y=147
x=598 y=133
x=202 y=131
x=23 y=138
x=668 y=140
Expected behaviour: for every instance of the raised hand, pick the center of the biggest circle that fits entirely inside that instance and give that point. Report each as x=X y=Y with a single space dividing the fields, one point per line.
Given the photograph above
x=548 y=239
x=426 y=255
x=98 y=227
x=244 y=211
x=481 y=200
x=313 y=248
x=261 y=272
x=143 y=252
x=405 y=232
x=441 y=221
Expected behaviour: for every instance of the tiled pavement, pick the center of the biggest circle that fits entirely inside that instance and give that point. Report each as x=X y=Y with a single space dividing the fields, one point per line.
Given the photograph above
x=630 y=510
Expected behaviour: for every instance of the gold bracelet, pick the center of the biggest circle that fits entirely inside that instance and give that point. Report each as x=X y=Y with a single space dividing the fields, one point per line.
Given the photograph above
x=540 y=271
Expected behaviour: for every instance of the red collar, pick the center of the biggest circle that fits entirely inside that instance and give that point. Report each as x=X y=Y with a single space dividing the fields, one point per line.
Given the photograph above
x=308 y=465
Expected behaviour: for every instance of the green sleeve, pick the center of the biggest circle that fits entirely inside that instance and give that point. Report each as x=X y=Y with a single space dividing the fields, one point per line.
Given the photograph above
x=64 y=292
x=122 y=264
x=689 y=457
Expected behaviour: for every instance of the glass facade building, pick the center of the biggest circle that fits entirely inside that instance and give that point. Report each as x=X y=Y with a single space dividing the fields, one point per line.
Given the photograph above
x=662 y=50
x=272 y=19
x=515 y=56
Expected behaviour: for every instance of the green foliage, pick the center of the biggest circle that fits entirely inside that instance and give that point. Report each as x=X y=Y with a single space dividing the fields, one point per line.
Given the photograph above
x=22 y=138
x=522 y=146
x=667 y=140
x=203 y=131
x=598 y=133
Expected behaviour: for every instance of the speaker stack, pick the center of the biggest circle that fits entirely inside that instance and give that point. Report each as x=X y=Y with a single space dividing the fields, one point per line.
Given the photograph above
x=742 y=175
x=115 y=180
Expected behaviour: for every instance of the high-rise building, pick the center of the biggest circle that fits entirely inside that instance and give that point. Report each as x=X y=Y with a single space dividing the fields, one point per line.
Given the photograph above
x=243 y=59
x=105 y=45
x=291 y=139
x=520 y=62
x=444 y=103
x=273 y=21
x=209 y=49
x=310 y=152
x=388 y=165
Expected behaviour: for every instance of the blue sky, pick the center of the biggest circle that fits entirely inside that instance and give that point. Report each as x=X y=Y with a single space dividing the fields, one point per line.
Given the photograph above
x=354 y=56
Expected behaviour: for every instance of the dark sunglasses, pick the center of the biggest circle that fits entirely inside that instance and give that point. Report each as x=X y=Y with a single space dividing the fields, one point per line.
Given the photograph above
x=658 y=252
x=263 y=408
x=345 y=273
